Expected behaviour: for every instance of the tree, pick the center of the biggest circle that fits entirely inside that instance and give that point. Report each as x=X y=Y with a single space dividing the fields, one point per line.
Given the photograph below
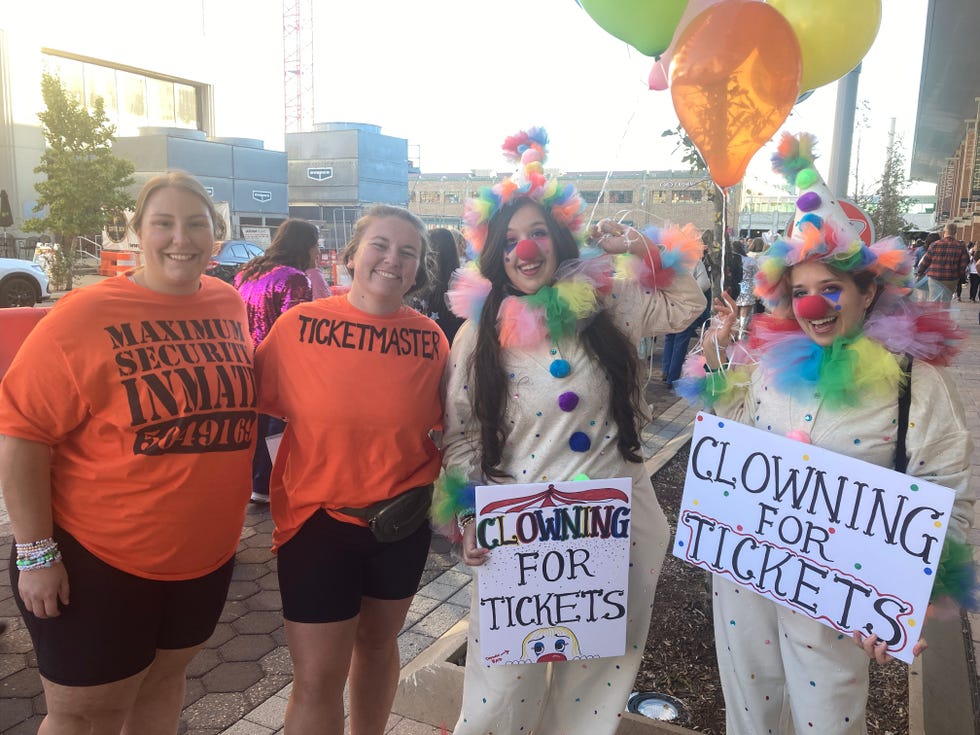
x=886 y=202
x=693 y=158
x=84 y=181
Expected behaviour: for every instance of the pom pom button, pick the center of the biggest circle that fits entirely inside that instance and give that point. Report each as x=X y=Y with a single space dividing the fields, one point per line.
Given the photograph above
x=568 y=401
x=579 y=442
x=560 y=368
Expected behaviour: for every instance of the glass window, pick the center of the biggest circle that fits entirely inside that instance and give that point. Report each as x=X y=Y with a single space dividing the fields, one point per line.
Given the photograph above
x=429 y=197
x=159 y=102
x=591 y=197
x=621 y=197
x=132 y=102
x=186 y=112
x=71 y=74
x=100 y=81
x=452 y=197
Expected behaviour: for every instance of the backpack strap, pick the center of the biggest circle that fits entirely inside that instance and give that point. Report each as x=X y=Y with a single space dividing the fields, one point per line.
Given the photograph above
x=904 y=402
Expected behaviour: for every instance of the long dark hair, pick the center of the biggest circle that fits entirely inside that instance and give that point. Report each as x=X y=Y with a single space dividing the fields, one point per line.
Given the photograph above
x=290 y=246
x=602 y=338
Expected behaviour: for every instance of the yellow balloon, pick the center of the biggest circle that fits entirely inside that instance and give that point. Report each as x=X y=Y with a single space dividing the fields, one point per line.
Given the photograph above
x=834 y=35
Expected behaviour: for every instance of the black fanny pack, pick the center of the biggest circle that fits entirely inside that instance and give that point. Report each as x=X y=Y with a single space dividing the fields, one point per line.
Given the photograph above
x=398 y=517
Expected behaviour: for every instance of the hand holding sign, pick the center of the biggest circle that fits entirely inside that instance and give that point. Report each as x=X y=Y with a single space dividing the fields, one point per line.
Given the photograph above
x=850 y=544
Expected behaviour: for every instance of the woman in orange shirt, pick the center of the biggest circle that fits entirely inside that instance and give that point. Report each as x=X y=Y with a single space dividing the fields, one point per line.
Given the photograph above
x=358 y=378
x=127 y=422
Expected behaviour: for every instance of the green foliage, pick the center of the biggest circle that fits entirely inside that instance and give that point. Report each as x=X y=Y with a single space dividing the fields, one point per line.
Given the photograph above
x=84 y=181
x=695 y=161
x=886 y=202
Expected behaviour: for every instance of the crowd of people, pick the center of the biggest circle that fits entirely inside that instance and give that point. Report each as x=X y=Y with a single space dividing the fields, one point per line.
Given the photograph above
x=140 y=417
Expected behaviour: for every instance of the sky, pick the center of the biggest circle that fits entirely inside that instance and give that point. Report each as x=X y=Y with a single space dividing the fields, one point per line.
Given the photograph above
x=454 y=77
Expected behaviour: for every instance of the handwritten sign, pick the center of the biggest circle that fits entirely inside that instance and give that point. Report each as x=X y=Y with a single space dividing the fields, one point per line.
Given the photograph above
x=554 y=587
x=848 y=543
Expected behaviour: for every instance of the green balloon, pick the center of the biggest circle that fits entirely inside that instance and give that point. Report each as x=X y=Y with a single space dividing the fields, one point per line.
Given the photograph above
x=646 y=25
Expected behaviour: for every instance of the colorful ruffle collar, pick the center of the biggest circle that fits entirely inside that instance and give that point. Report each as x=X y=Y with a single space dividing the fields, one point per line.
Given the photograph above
x=569 y=304
x=866 y=362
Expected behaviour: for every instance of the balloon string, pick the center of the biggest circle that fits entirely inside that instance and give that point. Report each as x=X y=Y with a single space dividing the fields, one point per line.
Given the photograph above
x=724 y=237
x=619 y=152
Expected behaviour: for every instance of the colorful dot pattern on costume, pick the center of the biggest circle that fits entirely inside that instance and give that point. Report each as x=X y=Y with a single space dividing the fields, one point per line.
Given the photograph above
x=560 y=368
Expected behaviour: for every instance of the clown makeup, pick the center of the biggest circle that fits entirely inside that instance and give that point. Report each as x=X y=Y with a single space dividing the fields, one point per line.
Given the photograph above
x=827 y=303
x=529 y=255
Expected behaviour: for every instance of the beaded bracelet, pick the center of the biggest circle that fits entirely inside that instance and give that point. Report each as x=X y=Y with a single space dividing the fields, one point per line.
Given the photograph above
x=463 y=521
x=37 y=554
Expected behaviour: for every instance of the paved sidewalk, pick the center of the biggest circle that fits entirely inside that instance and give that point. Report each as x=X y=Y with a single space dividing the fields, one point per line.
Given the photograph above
x=239 y=684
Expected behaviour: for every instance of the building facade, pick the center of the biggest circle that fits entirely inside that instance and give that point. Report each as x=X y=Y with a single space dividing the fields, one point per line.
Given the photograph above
x=637 y=198
x=958 y=188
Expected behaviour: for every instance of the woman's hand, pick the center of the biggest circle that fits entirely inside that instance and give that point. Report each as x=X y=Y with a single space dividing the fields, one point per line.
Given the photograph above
x=472 y=555
x=615 y=238
x=42 y=589
x=878 y=650
x=718 y=335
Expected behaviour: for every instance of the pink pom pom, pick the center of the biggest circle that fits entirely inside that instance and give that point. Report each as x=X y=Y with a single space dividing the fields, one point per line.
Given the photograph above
x=798 y=435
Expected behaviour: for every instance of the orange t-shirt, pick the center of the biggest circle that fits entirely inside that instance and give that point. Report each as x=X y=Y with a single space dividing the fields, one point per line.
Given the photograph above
x=148 y=402
x=360 y=394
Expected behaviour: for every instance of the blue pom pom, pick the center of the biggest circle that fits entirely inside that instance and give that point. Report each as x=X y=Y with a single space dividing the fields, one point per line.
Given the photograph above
x=560 y=368
x=579 y=442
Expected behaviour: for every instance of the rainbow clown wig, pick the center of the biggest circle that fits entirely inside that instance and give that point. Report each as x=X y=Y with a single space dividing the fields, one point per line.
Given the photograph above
x=822 y=232
x=529 y=149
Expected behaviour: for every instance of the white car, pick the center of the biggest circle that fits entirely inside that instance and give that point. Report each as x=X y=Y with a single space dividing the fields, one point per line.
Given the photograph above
x=22 y=283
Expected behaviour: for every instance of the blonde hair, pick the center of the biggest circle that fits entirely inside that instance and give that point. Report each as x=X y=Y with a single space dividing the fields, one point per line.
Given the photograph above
x=380 y=211
x=175 y=180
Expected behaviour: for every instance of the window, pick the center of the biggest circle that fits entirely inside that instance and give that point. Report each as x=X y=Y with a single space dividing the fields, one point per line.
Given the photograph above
x=689 y=196
x=592 y=197
x=429 y=197
x=160 y=102
x=452 y=197
x=132 y=99
x=621 y=197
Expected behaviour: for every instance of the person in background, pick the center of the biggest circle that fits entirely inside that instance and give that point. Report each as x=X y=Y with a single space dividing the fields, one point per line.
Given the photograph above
x=432 y=303
x=746 y=300
x=270 y=284
x=837 y=349
x=522 y=331
x=676 y=344
x=734 y=252
x=944 y=264
x=972 y=273
x=126 y=487
x=358 y=378
x=464 y=256
x=321 y=289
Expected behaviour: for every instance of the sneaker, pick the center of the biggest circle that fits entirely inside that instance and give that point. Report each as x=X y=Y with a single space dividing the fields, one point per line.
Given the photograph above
x=259 y=498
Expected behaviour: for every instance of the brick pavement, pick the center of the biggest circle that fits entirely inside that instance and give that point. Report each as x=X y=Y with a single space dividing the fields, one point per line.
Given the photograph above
x=239 y=683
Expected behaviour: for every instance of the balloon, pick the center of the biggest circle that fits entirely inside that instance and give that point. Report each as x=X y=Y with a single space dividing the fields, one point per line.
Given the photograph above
x=733 y=80
x=834 y=35
x=646 y=25
x=658 y=74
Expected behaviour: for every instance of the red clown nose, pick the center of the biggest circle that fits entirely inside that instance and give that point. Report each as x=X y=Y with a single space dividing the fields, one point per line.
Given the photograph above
x=811 y=307
x=527 y=250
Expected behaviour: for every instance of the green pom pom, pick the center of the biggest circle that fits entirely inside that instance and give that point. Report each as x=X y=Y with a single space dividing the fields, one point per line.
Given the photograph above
x=807 y=178
x=581 y=476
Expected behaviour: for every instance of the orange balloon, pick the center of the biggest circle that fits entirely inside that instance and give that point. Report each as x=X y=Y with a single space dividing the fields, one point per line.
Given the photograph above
x=734 y=78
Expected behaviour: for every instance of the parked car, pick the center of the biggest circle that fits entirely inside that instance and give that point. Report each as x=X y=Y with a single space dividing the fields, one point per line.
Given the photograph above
x=230 y=256
x=22 y=283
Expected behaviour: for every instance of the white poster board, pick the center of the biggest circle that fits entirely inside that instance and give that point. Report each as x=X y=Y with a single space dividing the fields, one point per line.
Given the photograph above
x=554 y=586
x=848 y=543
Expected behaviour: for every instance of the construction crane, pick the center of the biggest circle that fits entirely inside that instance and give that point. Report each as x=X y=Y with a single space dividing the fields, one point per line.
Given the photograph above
x=297 y=49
